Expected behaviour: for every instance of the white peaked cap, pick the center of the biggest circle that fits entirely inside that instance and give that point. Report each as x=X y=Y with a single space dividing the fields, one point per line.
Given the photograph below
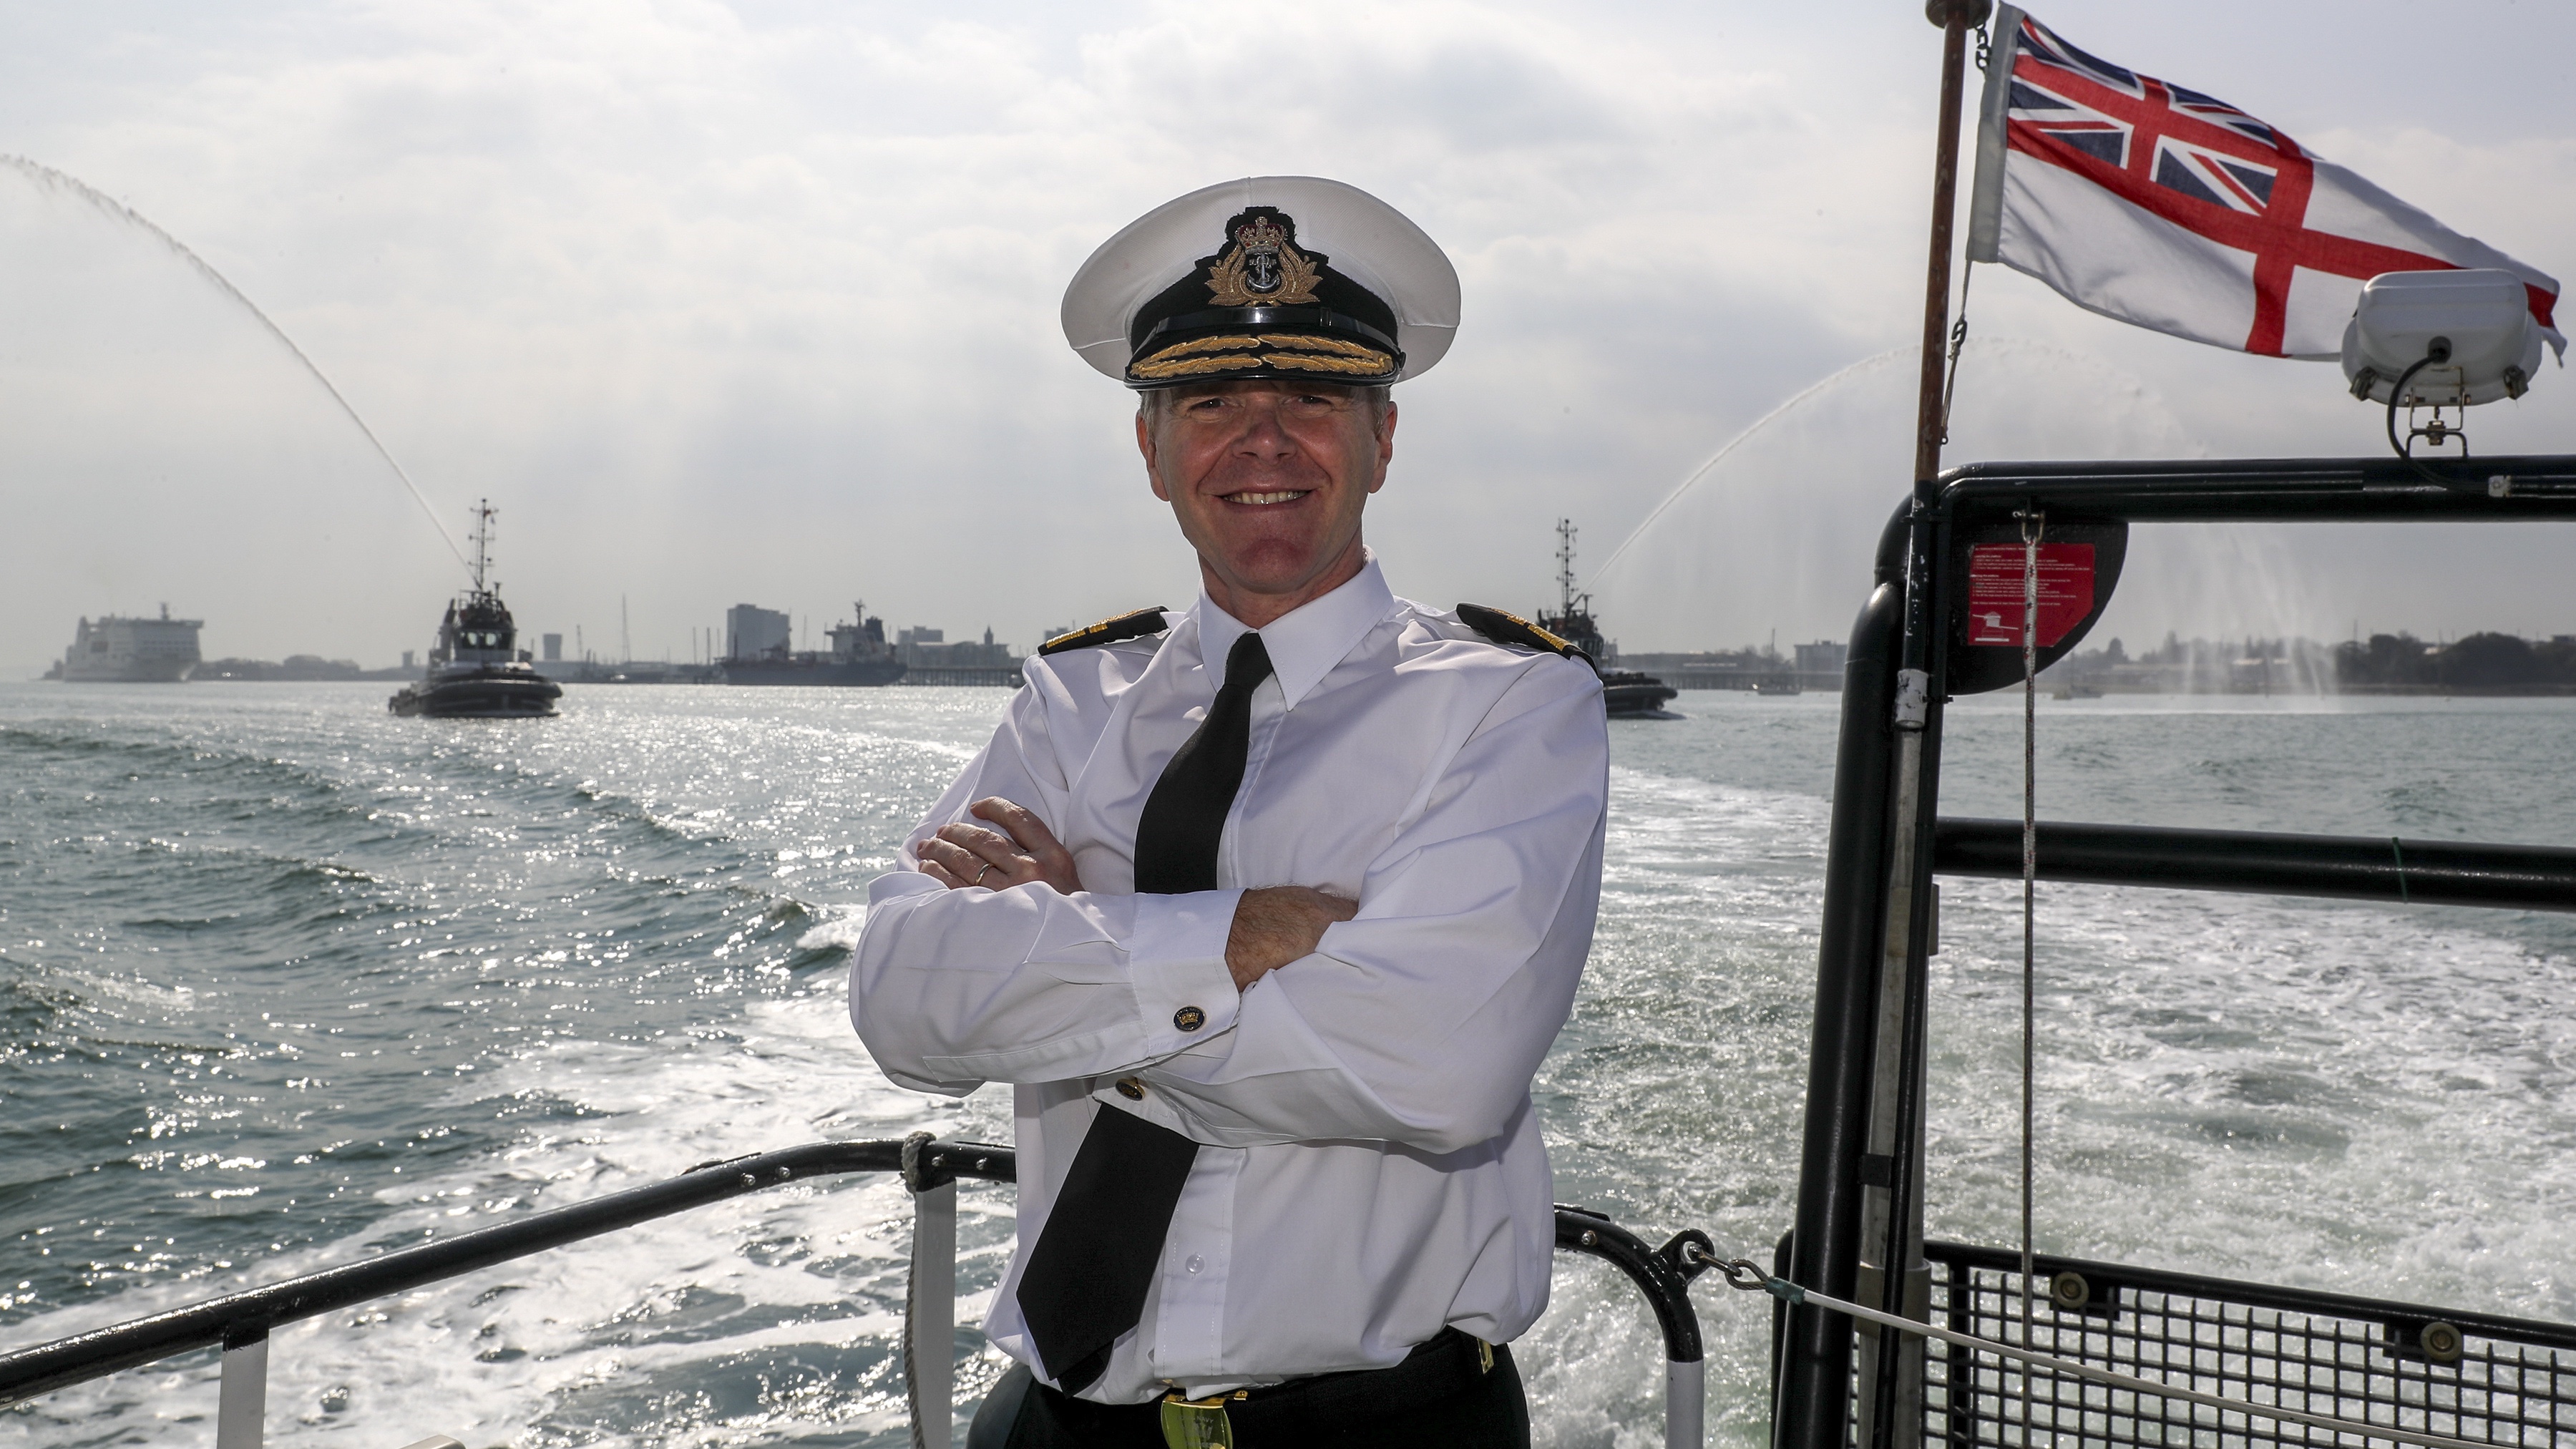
x=1367 y=241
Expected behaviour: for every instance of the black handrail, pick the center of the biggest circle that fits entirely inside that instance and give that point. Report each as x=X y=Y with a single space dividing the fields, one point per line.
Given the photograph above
x=1663 y=1274
x=2370 y=868
x=2278 y=490
x=245 y=1317
x=238 y=1319
x=1827 y=1252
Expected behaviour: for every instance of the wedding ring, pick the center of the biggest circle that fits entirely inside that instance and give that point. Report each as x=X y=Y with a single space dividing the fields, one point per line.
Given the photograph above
x=979 y=875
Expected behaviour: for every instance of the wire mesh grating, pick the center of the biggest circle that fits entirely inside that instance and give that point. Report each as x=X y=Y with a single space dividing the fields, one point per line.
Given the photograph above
x=2491 y=1381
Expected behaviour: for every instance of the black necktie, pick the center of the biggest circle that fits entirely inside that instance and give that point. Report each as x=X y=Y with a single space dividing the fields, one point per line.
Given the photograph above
x=1095 y=1259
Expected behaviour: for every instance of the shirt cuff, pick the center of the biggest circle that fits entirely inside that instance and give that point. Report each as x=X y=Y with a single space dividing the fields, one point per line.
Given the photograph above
x=1176 y=964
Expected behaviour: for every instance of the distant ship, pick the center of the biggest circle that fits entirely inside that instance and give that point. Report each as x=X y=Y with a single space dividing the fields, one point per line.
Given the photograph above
x=118 y=650
x=1624 y=692
x=859 y=656
x=478 y=671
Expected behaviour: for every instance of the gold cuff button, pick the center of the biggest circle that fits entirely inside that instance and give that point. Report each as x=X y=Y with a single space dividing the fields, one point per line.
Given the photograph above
x=1131 y=1089
x=1189 y=1018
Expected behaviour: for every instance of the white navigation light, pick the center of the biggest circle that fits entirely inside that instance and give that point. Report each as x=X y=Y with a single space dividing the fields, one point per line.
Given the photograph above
x=2455 y=338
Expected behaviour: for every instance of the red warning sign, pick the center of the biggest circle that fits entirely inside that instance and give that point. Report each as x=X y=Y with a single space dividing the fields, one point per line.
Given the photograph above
x=1995 y=591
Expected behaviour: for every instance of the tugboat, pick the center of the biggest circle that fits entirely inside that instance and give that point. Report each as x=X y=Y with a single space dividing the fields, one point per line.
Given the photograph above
x=1625 y=693
x=477 y=671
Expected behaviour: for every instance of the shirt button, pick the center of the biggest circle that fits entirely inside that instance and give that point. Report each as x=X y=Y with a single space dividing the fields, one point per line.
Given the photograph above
x=1189 y=1018
x=1131 y=1089
x=1195 y=1263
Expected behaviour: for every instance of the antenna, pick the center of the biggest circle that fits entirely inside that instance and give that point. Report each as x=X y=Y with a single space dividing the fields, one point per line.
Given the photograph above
x=483 y=513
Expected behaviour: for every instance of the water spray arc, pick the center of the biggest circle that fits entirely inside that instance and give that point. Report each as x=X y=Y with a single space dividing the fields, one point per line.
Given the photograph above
x=46 y=178
x=1739 y=440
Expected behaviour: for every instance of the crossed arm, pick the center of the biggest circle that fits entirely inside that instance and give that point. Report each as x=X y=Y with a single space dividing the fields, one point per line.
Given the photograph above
x=1273 y=925
x=1417 y=1019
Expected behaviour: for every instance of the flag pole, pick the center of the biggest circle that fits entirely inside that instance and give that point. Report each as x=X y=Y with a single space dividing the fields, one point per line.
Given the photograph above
x=1955 y=17
x=1889 y=1399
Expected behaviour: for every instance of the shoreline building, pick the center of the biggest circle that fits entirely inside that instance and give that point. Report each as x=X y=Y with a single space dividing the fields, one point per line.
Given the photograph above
x=929 y=658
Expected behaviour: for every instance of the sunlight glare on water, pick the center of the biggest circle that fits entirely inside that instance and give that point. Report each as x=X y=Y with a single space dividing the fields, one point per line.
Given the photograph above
x=285 y=982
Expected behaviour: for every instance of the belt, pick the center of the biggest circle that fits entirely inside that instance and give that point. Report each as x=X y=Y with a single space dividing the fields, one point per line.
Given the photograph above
x=1443 y=1366
x=1449 y=1363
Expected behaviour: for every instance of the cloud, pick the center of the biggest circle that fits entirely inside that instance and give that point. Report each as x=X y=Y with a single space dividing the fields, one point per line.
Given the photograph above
x=757 y=303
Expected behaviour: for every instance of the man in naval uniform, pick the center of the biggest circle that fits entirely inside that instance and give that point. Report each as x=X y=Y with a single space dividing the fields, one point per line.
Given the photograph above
x=1268 y=907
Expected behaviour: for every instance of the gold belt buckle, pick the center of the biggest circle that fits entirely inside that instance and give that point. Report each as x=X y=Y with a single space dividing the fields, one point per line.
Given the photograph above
x=1198 y=1423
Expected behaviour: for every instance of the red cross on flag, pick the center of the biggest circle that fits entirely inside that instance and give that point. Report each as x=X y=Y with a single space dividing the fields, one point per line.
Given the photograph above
x=2157 y=205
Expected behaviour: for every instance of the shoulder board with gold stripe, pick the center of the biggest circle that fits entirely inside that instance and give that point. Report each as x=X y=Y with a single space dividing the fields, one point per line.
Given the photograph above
x=1505 y=628
x=1108 y=631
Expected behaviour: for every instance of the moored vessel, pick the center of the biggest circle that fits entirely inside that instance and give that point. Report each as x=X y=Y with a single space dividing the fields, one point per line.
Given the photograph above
x=477 y=670
x=113 y=649
x=859 y=654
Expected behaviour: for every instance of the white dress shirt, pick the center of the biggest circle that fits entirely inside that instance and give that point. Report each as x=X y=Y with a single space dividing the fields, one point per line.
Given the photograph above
x=1371 y=1169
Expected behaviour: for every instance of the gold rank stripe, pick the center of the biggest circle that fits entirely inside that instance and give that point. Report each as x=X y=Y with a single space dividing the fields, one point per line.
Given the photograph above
x=1109 y=631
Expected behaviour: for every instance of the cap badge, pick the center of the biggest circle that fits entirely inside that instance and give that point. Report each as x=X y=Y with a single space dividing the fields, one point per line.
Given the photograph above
x=1261 y=268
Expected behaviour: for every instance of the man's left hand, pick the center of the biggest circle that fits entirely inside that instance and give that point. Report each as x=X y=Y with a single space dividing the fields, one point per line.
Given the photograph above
x=963 y=855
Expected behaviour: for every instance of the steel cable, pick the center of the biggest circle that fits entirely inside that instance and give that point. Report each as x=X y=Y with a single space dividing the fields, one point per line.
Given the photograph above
x=2033 y=526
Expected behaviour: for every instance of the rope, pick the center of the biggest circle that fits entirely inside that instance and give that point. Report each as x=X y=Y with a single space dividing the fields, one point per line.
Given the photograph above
x=2033 y=525
x=1959 y=329
x=1741 y=1273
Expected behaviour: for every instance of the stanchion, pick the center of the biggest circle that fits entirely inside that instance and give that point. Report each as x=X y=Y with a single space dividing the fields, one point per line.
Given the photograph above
x=930 y=1300
x=241 y=1409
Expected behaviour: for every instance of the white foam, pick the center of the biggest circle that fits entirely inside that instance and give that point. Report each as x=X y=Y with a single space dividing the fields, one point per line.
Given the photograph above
x=525 y=1352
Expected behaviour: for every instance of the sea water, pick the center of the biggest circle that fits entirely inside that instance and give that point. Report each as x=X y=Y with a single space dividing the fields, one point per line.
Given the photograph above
x=285 y=982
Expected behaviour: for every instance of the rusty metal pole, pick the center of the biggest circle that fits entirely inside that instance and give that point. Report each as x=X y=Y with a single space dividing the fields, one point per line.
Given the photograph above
x=1890 y=1381
x=1955 y=17
x=1878 y=782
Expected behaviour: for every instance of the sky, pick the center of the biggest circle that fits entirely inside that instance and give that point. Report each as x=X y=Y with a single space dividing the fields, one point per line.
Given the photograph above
x=757 y=303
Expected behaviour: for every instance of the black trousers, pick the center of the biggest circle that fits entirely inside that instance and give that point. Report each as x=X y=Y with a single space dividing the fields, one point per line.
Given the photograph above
x=1486 y=1411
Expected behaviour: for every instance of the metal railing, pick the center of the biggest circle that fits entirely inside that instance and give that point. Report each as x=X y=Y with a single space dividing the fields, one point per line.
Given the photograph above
x=1859 y=1229
x=240 y=1323
x=2473 y=1376
x=2360 y=868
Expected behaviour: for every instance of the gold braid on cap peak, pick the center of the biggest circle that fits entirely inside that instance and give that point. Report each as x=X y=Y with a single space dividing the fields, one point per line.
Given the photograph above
x=1374 y=365
x=1324 y=344
x=1155 y=369
x=1207 y=344
x=1281 y=350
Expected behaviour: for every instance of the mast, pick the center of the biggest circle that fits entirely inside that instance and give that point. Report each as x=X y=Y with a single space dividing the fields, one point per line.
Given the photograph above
x=1955 y=17
x=483 y=512
x=1564 y=568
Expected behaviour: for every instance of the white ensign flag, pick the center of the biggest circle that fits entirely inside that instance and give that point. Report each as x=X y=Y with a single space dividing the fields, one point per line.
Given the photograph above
x=2157 y=205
